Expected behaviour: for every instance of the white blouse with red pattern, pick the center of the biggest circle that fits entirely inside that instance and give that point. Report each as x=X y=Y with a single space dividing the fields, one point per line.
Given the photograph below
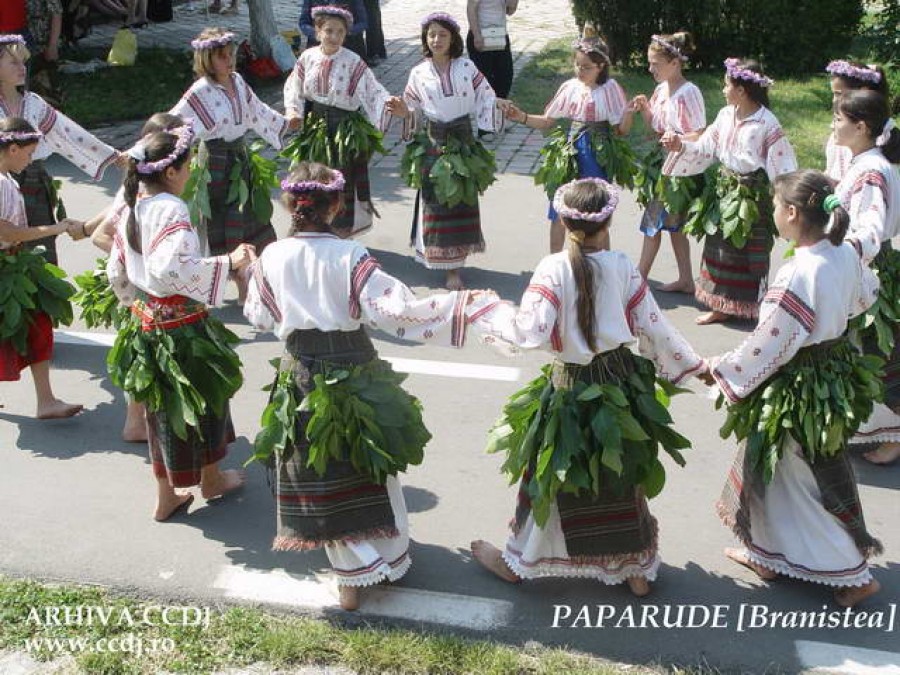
x=578 y=102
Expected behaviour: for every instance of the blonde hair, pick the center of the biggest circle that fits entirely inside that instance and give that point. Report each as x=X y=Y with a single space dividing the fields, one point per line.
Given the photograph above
x=203 y=66
x=682 y=41
x=16 y=49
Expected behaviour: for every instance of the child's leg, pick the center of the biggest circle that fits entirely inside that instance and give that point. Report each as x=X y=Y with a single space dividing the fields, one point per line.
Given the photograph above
x=48 y=406
x=557 y=235
x=649 y=249
x=886 y=453
x=168 y=501
x=454 y=281
x=135 y=429
x=681 y=245
x=215 y=483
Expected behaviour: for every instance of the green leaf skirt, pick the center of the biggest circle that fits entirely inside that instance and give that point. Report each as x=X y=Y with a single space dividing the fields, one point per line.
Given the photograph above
x=99 y=305
x=588 y=430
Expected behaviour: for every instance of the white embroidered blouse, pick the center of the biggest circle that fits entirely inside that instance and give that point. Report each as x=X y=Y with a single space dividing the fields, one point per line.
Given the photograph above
x=578 y=102
x=342 y=80
x=171 y=262
x=813 y=296
x=12 y=205
x=444 y=96
x=625 y=311
x=755 y=142
x=62 y=136
x=870 y=191
x=216 y=113
x=682 y=111
x=317 y=280
x=837 y=158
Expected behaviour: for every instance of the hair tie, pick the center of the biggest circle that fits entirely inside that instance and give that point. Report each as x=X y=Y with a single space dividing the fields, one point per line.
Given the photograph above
x=577 y=236
x=830 y=203
x=885 y=134
x=304 y=200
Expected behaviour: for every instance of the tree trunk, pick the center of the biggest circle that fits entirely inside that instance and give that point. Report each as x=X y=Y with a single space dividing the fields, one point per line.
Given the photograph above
x=262 y=26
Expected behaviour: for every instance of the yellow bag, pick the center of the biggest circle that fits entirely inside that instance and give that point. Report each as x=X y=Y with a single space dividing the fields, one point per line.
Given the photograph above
x=124 y=48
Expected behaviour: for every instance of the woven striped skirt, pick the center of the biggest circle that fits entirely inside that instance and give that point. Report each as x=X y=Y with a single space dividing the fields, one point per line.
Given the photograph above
x=42 y=204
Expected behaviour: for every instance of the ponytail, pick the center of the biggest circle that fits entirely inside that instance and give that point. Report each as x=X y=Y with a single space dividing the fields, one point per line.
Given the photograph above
x=812 y=194
x=130 y=186
x=838 y=226
x=584 y=282
x=891 y=149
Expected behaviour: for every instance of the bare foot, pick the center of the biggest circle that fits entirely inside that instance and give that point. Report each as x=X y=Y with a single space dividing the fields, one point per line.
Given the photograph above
x=850 y=596
x=739 y=556
x=349 y=598
x=490 y=558
x=454 y=281
x=677 y=287
x=223 y=483
x=886 y=453
x=57 y=410
x=639 y=586
x=167 y=509
x=710 y=317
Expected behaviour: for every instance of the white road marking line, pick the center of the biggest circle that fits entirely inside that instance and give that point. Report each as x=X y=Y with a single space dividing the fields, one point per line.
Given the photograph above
x=823 y=657
x=471 y=371
x=309 y=592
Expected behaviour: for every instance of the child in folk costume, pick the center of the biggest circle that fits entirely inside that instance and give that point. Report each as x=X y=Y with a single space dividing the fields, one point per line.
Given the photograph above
x=870 y=191
x=176 y=359
x=337 y=83
x=582 y=506
x=791 y=496
x=848 y=76
x=60 y=135
x=751 y=149
x=440 y=96
x=30 y=344
x=675 y=106
x=223 y=108
x=599 y=111
x=316 y=291
x=102 y=229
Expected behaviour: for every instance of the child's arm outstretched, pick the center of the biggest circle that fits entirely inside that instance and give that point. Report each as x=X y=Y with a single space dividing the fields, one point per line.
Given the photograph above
x=18 y=235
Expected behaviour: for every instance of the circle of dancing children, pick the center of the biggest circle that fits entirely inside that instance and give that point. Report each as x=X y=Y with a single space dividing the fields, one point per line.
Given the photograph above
x=316 y=291
x=597 y=106
x=335 y=83
x=35 y=299
x=229 y=207
x=792 y=475
x=848 y=76
x=60 y=135
x=676 y=106
x=440 y=96
x=870 y=191
x=583 y=439
x=751 y=148
x=176 y=359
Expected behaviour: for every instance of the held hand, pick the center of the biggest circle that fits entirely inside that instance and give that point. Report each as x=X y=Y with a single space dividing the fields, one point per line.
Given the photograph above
x=705 y=375
x=671 y=142
x=74 y=228
x=294 y=123
x=397 y=107
x=639 y=103
x=241 y=256
x=122 y=161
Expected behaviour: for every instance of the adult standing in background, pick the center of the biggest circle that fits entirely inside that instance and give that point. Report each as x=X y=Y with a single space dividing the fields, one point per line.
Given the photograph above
x=44 y=27
x=488 y=42
x=375 y=49
x=354 y=40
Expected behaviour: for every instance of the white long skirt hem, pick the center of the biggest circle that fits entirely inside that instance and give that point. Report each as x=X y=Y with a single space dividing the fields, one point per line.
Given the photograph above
x=883 y=426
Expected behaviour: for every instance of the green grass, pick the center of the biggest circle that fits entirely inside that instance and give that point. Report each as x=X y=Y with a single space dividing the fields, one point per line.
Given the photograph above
x=802 y=104
x=154 y=83
x=240 y=636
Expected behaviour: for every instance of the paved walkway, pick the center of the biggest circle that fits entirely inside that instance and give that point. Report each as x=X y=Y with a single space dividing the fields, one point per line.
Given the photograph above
x=530 y=29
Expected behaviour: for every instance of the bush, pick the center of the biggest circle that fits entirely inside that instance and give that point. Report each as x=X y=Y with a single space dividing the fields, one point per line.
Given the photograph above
x=786 y=35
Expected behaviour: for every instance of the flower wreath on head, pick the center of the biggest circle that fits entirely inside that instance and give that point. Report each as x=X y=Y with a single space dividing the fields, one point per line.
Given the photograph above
x=735 y=72
x=847 y=69
x=299 y=187
x=441 y=16
x=11 y=39
x=213 y=42
x=20 y=136
x=138 y=152
x=612 y=201
x=669 y=47
x=333 y=10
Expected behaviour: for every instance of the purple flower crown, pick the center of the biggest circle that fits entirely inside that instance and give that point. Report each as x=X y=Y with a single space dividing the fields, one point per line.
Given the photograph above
x=11 y=39
x=735 y=72
x=213 y=43
x=20 y=136
x=332 y=10
x=587 y=45
x=337 y=183
x=668 y=46
x=847 y=69
x=441 y=16
x=612 y=194
x=138 y=152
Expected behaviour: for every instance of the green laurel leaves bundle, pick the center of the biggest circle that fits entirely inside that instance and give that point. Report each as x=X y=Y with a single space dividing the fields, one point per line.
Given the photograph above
x=99 y=305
